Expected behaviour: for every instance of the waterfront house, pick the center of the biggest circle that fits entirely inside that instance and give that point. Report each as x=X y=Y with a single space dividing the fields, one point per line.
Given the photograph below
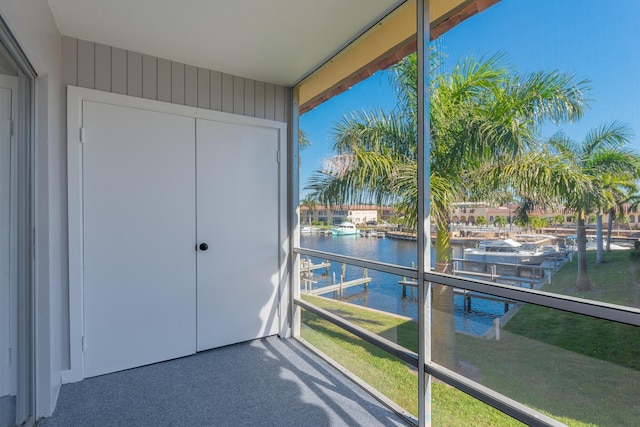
x=335 y=215
x=132 y=124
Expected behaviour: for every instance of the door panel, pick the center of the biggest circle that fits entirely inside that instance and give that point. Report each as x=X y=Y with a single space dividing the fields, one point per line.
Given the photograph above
x=237 y=206
x=139 y=237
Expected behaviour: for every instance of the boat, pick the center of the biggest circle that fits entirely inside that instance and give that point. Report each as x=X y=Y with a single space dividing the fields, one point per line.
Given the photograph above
x=506 y=251
x=306 y=229
x=553 y=250
x=345 y=229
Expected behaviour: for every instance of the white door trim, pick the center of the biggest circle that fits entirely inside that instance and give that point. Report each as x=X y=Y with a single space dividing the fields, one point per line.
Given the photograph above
x=75 y=98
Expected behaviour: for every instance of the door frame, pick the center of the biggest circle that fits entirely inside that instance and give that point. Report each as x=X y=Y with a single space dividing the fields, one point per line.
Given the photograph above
x=75 y=98
x=28 y=381
x=11 y=83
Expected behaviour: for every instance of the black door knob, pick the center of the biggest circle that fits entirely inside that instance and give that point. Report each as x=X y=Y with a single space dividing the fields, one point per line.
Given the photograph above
x=203 y=246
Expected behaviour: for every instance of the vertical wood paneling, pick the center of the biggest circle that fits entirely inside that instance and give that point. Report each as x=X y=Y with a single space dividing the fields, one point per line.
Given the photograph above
x=86 y=64
x=164 y=80
x=70 y=61
x=134 y=74
x=191 y=86
x=119 y=71
x=227 y=93
x=177 y=83
x=216 y=91
x=238 y=95
x=149 y=77
x=110 y=69
x=249 y=97
x=204 y=94
x=279 y=104
x=259 y=101
x=269 y=104
x=288 y=103
x=103 y=67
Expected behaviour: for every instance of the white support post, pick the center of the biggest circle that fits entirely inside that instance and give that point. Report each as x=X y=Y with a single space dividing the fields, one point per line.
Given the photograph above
x=424 y=210
x=294 y=312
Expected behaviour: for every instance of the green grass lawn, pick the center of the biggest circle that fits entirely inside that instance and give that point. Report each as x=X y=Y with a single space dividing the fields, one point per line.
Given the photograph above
x=579 y=370
x=617 y=281
x=387 y=374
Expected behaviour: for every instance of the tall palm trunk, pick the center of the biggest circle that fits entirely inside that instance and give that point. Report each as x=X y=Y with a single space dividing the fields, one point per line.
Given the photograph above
x=612 y=213
x=582 y=282
x=599 y=239
x=443 y=334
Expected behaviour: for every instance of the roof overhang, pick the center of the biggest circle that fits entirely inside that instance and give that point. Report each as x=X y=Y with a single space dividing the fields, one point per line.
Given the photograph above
x=382 y=45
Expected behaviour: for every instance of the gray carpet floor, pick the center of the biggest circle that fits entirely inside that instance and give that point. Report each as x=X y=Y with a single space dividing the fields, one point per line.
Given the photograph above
x=7 y=411
x=266 y=382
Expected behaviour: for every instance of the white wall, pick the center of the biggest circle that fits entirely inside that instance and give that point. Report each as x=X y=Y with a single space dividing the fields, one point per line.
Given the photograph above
x=33 y=26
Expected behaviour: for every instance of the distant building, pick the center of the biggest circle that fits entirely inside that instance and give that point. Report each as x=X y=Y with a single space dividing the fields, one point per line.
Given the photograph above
x=468 y=213
x=334 y=215
x=387 y=212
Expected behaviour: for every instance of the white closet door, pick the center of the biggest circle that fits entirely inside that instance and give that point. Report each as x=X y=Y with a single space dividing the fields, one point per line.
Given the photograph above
x=237 y=181
x=139 y=237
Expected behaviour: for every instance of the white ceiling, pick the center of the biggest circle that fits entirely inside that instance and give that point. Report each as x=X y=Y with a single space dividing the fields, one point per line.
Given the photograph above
x=275 y=41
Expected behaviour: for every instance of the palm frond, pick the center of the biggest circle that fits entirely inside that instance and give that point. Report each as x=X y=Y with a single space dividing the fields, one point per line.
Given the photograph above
x=609 y=135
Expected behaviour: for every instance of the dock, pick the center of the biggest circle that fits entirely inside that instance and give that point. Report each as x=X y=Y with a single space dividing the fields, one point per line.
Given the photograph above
x=468 y=295
x=400 y=235
x=532 y=274
x=307 y=267
x=373 y=233
x=340 y=287
x=499 y=278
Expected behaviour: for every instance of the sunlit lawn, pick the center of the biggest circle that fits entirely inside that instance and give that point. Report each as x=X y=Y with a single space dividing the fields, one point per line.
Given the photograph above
x=579 y=370
x=387 y=374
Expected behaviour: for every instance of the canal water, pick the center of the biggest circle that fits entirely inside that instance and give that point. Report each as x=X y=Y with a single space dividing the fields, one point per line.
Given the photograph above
x=384 y=293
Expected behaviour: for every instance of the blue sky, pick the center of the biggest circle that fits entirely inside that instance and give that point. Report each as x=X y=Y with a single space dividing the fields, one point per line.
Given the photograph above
x=601 y=44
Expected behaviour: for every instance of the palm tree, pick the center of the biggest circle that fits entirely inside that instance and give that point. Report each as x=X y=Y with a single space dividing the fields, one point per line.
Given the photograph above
x=310 y=203
x=557 y=220
x=303 y=140
x=600 y=156
x=538 y=223
x=303 y=143
x=480 y=111
x=500 y=222
x=480 y=220
x=622 y=219
x=623 y=191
